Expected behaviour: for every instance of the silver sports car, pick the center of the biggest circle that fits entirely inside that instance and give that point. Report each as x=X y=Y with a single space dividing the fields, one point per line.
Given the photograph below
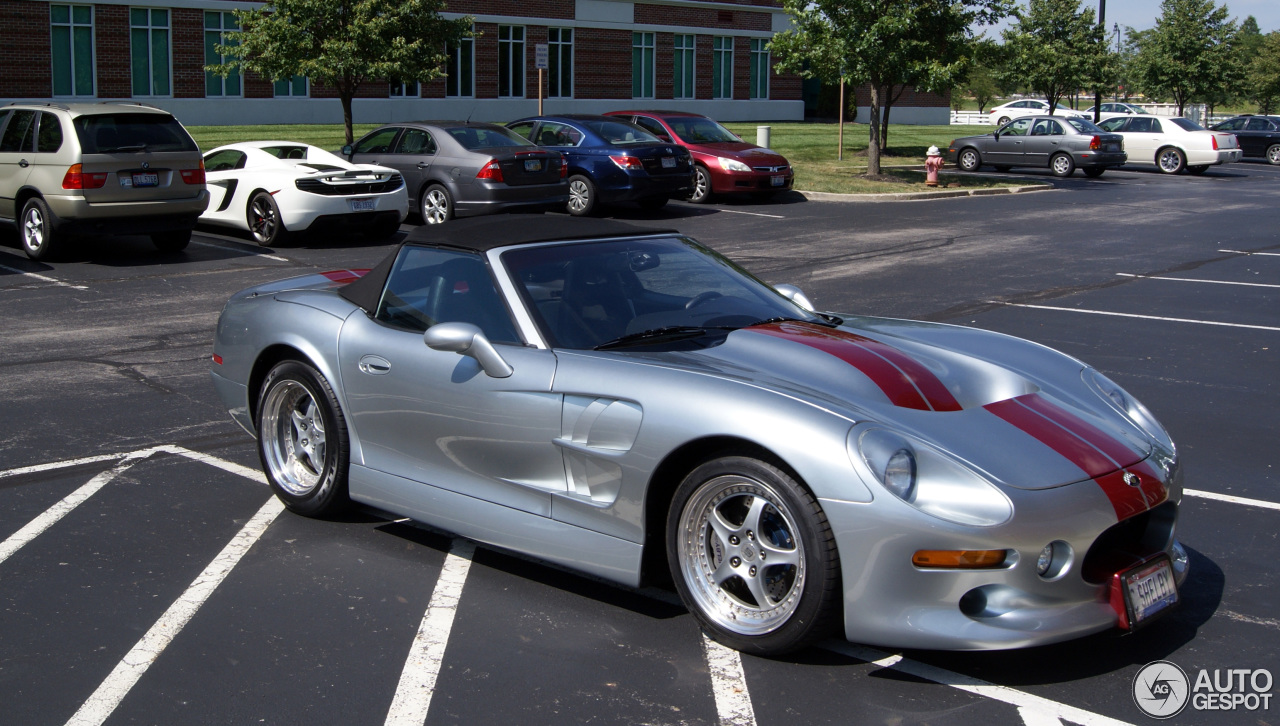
x=630 y=404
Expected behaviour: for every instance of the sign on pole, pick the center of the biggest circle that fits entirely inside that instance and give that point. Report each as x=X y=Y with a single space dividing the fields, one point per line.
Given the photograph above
x=540 y=56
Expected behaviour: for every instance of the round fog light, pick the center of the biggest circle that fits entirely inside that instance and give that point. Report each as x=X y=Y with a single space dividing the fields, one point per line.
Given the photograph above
x=1054 y=560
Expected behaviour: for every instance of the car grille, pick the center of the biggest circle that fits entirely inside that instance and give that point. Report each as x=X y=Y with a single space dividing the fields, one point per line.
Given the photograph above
x=1127 y=543
x=346 y=189
x=771 y=169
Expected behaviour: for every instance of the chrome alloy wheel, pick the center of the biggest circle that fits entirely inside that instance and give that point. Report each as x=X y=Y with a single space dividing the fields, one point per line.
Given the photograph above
x=33 y=229
x=435 y=206
x=263 y=220
x=579 y=196
x=701 y=185
x=293 y=437
x=741 y=554
x=1170 y=161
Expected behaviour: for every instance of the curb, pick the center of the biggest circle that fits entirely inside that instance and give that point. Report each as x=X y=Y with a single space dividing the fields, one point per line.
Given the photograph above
x=909 y=196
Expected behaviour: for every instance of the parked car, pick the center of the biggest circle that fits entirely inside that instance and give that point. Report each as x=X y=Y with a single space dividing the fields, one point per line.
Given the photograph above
x=724 y=163
x=1258 y=136
x=1173 y=143
x=274 y=189
x=612 y=160
x=1114 y=109
x=1004 y=113
x=462 y=169
x=98 y=169
x=625 y=402
x=1061 y=144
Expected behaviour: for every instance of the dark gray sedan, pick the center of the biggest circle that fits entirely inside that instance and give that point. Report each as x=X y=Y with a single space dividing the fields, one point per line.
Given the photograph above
x=1061 y=144
x=463 y=169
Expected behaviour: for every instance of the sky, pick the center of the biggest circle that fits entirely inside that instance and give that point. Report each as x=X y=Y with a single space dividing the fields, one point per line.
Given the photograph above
x=1142 y=14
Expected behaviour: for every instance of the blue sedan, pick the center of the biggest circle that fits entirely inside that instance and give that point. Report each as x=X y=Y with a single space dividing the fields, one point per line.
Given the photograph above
x=611 y=160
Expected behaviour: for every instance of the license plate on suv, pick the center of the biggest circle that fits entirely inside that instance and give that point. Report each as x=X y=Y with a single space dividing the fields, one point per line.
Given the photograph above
x=140 y=179
x=363 y=205
x=1148 y=589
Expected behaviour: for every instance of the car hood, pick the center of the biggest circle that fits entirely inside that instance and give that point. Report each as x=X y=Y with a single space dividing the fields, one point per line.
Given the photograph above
x=749 y=154
x=998 y=418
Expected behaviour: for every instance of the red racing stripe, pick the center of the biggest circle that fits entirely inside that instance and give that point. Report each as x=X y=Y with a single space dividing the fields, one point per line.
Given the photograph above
x=1115 y=450
x=1050 y=434
x=345 y=275
x=906 y=382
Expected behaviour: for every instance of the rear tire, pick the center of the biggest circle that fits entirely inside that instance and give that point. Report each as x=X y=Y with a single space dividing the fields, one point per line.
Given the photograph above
x=175 y=241
x=265 y=223
x=436 y=206
x=38 y=238
x=969 y=159
x=1094 y=172
x=701 y=185
x=302 y=440
x=1062 y=165
x=1198 y=169
x=1170 y=160
x=1003 y=120
x=1273 y=154
x=582 y=195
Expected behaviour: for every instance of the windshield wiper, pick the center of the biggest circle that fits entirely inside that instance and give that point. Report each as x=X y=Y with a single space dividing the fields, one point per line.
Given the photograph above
x=130 y=147
x=830 y=321
x=660 y=335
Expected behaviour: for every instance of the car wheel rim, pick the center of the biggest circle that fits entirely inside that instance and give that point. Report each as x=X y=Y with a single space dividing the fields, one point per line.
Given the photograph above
x=741 y=555
x=436 y=207
x=1061 y=164
x=578 y=195
x=1273 y=155
x=701 y=185
x=293 y=438
x=969 y=160
x=1170 y=161
x=264 y=220
x=33 y=229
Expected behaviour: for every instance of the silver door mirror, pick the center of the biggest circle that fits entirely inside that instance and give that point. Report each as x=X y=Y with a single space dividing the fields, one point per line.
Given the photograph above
x=467 y=339
x=792 y=293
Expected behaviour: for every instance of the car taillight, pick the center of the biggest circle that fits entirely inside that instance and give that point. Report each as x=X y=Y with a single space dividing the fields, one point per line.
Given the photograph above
x=491 y=171
x=1214 y=139
x=75 y=178
x=627 y=162
x=193 y=176
x=1095 y=143
x=564 y=167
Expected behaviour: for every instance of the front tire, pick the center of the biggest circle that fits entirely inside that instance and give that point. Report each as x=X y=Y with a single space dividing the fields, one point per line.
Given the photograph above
x=701 y=185
x=436 y=206
x=969 y=159
x=753 y=557
x=1273 y=154
x=1170 y=160
x=175 y=241
x=582 y=195
x=38 y=238
x=302 y=440
x=265 y=223
x=1062 y=165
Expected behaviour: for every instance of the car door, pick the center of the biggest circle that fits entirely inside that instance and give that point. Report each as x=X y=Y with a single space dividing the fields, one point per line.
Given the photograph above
x=375 y=147
x=412 y=156
x=1141 y=136
x=1007 y=147
x=436 y=417
x=17 y=140
x=223 y=170
x=1259 y=133
x=1043 y=142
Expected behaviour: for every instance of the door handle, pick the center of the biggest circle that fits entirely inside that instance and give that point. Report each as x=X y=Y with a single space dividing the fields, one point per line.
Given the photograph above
x=423 y=165
x=374 y=365
x=23 y=163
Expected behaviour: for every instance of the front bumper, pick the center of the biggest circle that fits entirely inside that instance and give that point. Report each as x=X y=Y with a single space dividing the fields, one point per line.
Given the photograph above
x=730 y=182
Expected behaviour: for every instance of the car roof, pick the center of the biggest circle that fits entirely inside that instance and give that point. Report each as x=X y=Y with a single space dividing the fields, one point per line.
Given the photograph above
x=481 y=234
x=682 y=114
x=88 y=108
x=571 y=117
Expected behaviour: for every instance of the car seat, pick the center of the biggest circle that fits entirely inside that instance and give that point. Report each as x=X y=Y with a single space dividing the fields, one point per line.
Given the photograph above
x=464 y=293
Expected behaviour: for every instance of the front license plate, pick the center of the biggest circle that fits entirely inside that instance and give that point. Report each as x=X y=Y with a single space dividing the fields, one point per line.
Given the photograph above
x=146 y=180
x=668 y=162
x=363 y=205
x=778 y=181
x=1149 y=589
x=533 y=164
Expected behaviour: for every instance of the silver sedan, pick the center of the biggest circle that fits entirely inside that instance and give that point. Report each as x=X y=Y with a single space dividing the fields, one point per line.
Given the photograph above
x=1061 y=144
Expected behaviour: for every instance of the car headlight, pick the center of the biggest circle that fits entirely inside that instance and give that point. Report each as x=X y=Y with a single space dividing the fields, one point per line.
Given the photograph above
x=1127 y=406
x=732 y=165
x=929 y=480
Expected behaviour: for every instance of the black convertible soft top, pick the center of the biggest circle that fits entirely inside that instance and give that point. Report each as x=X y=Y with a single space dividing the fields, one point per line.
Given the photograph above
x=481 y=234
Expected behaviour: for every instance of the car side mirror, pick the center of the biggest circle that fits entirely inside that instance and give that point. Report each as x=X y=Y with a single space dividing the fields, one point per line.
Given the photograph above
x=996 y=134
x=346 y=150
x=467 y=339
x=792 y=293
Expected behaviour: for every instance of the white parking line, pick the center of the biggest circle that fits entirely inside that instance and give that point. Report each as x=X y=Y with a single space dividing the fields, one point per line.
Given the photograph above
x=753 y=214
x=43 y=278
x=1039 y=708
x=1259 y=254
x=235 y=248
x=422 y=667
x=728 y=684
x=64 y=464
x=1188 y=279
x=1133 y=315
x=1232 y=499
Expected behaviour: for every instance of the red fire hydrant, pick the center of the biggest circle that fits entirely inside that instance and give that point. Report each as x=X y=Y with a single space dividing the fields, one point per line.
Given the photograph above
x=932 y=163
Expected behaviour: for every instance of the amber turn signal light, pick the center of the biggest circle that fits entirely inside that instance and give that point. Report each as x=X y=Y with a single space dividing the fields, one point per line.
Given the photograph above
x=958 y=559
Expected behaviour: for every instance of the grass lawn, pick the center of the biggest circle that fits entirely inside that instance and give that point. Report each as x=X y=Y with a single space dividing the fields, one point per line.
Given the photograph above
x=810 y=147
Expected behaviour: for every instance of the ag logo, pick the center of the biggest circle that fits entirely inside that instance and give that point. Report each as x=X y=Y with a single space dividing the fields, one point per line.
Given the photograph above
x=1161 y=689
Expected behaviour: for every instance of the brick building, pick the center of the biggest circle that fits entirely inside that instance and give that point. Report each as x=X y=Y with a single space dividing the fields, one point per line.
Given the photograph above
x=705 y=56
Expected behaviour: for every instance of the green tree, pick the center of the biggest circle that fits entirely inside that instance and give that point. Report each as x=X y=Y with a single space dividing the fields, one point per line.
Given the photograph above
x=1056 y=49
x=1190 y=54
x=1264 y=74
x=921 y=43
x=343 y=43
x=981 y=85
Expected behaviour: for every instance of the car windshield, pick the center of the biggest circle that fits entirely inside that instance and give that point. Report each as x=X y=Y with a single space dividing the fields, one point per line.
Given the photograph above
x=621 y=133
x=1083 y=126
x=109 y=133
x=646 y=292
x=1186 y=124
x=473 y=137
x=701 y=131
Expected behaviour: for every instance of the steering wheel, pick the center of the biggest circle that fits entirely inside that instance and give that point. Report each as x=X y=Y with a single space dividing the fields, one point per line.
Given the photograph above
x=700 y=298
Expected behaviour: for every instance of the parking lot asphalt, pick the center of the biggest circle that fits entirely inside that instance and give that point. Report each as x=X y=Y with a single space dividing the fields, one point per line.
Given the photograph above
x=149 y=577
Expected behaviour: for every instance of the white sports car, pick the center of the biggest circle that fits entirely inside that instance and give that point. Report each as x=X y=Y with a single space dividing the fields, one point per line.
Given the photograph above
x=1173 y=143
x=275 y=188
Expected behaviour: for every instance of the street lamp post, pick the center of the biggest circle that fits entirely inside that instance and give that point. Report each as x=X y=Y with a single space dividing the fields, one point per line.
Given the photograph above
x=1115 y=96
x=1097 y=90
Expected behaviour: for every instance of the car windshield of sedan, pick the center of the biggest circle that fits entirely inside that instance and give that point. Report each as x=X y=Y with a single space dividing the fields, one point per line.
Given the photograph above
x=667 y=292
x=621 y=133
x=701 y=131
x=471 y=137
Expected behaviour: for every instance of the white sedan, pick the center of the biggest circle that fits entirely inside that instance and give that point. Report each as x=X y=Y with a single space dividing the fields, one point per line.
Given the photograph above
x=276 y=188
x=1001 y=115
x=1114 y=109
x=1173 y=143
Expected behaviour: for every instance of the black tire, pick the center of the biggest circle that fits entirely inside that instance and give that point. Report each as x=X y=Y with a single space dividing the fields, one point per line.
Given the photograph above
x=653 y=203
x=1062 y=165
x=1273 y=154
x=1002 y=168
x=310 y=478
x=701 y=185
x=1198 y=169
x=39 y=240
x=1170 y=160
x=265 y=223
x=175 y=241
x=583 y=196
x=436 y=205
x=802 y=596
x=1094 y=172
x=969 y=159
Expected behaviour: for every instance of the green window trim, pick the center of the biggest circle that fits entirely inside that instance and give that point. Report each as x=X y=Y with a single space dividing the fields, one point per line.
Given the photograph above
x=722 y=67
x=150 y=59
x=642 y=65
x=71 y=50
x=216 y=26
x=682 y=61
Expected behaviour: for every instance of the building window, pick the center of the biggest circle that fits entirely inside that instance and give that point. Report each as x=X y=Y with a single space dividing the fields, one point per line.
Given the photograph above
x=294 y=87
x=149 y=48
x=511 y=61
x=399 y=89
x=72 y=46
x=759 y=68
x=642 y=69
x=722 y=67
x=560 y=62
x=682 y=86
x=216 y=27
x=461 y=78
